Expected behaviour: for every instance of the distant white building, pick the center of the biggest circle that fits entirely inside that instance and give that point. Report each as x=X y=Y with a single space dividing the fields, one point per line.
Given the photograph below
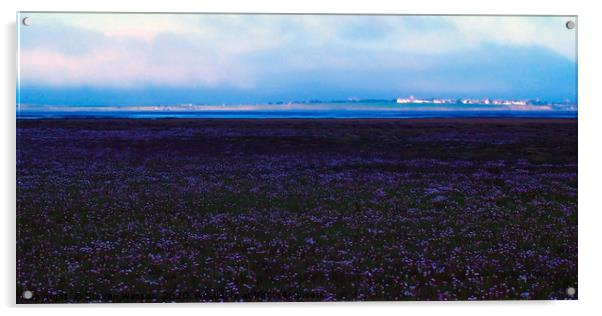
x=405 y=100
x=411 y=99
x=485 y=101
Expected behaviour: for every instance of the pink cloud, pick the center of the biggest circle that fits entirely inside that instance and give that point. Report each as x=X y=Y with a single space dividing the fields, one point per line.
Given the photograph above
x=120 y=67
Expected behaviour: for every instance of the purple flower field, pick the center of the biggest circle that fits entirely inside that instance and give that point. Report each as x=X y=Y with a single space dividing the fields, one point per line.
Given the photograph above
x=122 y=210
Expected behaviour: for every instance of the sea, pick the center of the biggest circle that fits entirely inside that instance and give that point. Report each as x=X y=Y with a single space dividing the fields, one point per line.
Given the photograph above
x=351 y=110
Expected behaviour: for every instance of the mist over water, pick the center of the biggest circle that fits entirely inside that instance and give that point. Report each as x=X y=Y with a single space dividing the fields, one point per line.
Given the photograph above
x=377 y=109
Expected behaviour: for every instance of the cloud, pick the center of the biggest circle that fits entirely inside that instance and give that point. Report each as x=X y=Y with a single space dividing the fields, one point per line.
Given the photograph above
x=169 y=59
x=546 y=32
x=292 y=55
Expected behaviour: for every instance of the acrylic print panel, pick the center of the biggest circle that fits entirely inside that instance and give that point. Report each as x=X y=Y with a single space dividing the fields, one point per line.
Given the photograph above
x=230 y=157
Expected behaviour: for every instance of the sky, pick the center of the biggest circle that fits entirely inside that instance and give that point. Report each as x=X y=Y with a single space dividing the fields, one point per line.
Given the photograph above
x=80 y=60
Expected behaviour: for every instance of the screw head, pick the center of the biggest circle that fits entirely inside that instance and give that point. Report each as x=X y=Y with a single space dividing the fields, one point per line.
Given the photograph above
x=570 y=291
x=27 y=295
x=570 y=25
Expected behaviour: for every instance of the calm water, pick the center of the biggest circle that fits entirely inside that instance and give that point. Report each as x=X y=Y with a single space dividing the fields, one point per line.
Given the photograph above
x=297 y=114
x=318 y=110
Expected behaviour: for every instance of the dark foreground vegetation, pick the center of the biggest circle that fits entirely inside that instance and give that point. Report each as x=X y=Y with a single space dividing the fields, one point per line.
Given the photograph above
x=296 y=210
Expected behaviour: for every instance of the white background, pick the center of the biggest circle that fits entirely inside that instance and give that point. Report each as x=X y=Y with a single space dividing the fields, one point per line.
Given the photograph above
x=590 y=135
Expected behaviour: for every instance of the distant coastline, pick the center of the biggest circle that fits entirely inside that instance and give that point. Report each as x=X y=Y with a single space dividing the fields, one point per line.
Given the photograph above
x=352 y=108
x=297 y=114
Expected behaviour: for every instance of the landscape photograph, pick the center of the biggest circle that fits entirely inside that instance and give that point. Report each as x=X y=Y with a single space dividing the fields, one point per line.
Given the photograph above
x=295 y=158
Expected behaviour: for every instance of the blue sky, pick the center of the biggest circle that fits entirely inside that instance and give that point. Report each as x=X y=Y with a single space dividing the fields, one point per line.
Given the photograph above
x=161 y=59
